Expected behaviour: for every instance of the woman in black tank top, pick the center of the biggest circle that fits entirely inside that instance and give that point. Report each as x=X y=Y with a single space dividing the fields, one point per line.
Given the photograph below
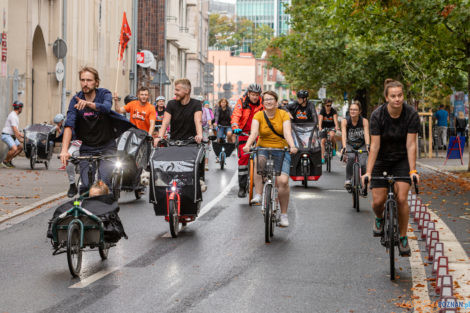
x=355 y=135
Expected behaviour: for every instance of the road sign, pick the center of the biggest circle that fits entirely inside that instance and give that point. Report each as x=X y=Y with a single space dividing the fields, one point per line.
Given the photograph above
x=209 y=67
x=59 y=71
x=140 y=58
x=227 y=87
x=59 y=48
x=149 y=59
x=208 y=78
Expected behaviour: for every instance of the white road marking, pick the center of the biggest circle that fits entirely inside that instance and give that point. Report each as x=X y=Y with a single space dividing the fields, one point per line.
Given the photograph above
x=91 y=279
x=459 y=262
x=418 y=274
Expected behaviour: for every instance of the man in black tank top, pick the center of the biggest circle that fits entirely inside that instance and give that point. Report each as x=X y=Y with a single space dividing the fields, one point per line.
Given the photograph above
x=355 y=135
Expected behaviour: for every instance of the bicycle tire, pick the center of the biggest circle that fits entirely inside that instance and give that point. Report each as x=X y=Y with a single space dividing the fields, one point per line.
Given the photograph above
x=222 y=160
x=251 y=178
x=356 y=186
x=73 y=248
x=328 y=163
x=267 y=214
x=32 y=160
x=116 y=186
x=173 y=218
x=305 y=181
x=391 y=240
x=104 y=252
x=46 y=164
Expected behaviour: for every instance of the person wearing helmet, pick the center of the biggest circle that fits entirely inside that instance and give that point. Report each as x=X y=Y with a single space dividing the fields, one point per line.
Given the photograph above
x=59 y=121
x=242 y=116
x=142 y=113
x=328 y=122
x=160 y=109
x=302 y=111
x=11 y=134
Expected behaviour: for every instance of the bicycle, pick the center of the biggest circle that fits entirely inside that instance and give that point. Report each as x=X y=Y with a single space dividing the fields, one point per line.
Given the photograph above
x=391 y=234
x=251 y=169
x=356 y=185
x=328 y=148
x=270 y=205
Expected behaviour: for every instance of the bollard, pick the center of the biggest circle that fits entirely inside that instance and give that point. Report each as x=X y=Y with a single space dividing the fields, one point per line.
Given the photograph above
x=447 y=305
x=434 y=237
x=442 y=270
x=437 y=255
x=447 y=287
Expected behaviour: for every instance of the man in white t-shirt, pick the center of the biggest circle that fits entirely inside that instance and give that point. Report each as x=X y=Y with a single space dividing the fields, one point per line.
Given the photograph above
x=11 y=134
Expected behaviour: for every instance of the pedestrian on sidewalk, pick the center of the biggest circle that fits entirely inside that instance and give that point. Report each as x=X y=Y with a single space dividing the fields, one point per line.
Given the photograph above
x=460 y=124
x=442 y=117
x=11 y=134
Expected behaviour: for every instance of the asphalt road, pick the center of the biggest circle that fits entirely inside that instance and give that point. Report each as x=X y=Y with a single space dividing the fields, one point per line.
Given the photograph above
x=326 y=261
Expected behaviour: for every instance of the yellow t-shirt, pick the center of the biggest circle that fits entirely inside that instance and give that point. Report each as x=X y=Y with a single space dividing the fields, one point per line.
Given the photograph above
x=268 y=139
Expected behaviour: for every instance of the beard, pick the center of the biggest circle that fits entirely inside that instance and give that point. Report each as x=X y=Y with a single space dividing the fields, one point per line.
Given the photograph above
x=88 y=90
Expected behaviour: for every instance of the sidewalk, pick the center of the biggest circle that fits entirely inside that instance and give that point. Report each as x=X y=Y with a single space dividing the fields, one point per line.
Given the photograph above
x=22 y=188
x=452 y=166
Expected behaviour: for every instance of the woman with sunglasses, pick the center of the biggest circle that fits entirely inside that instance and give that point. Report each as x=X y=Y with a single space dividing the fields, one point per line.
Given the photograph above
x=280 y=138
x=328 y=119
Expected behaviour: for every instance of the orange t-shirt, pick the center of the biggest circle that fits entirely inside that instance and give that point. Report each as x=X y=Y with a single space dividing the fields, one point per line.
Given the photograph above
x=141 y=115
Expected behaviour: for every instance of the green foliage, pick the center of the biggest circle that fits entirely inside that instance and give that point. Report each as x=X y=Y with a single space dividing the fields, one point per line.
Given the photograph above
x=225 y=32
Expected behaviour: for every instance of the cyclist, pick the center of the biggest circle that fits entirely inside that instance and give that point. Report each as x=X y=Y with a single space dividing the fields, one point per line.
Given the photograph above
x=184 y=116
x=242 y=117
x=393 y=128
x=302 y=111
x=160 y=109
x=11 y=134
x=95 y=124
x=328 y=120
x=355 y=135
x=222 y=118
x=142 y=113
x=274 y=129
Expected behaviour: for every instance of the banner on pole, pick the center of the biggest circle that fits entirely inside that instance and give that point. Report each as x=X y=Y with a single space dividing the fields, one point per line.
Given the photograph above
x=125 y=36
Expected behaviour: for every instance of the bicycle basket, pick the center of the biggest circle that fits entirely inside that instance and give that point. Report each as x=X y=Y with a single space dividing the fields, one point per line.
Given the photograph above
x=269 y=161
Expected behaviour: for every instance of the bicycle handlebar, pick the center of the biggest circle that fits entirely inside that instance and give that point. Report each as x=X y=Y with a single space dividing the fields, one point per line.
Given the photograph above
x=360 y=151
x=180 y=143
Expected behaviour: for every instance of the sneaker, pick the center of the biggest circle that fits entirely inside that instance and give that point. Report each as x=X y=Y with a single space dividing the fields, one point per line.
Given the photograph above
x=62 y=168
x=334 y=152
x=378 y=228
x=322 y=161
x=404 y=247
x=284 y=221
x=256 y=199
x=72 y=191
x=242 y=193
x=347 y=185
x=203 y=185
x=7 y=164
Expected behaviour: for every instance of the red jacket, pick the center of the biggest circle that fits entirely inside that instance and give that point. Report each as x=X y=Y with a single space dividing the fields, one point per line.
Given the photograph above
x=242 y=111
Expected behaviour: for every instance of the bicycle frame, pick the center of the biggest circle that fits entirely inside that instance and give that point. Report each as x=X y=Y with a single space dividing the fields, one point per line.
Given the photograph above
x=172 y=193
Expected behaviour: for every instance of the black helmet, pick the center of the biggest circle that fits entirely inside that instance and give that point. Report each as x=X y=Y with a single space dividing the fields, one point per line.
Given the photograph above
x=17 y=104
x=129 y=98
x=254 y=88
x=302 y=94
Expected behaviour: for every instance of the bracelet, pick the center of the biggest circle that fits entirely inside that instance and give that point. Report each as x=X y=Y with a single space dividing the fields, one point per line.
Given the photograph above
x=413 y=172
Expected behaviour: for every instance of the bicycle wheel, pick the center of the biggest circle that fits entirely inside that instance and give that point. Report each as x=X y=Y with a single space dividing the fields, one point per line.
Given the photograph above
x=391 y=239
x=328 y=163
x=104 y=251
x=46 y=164
x=32 y=160
x=222 y=160
x=74 y=251
x=268 y=223
x=356 y=186
x=116 y=185
x=251 y=171
x=173 y=218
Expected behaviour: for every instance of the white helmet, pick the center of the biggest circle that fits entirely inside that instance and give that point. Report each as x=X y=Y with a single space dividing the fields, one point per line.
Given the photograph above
x=59 y=118
x=160 y=98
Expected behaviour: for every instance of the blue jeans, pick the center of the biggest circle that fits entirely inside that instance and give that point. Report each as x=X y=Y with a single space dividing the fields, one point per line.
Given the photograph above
x=222 y=131
x=277 y=156
x=105 y=169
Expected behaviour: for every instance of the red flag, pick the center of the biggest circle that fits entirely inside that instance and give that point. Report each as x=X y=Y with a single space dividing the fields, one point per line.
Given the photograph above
x=125 y=36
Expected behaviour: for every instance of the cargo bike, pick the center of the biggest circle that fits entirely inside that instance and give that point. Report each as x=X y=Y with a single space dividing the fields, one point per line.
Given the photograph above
x=222 y=149
x=176 y=171
x=85 y=222
x=39 y=144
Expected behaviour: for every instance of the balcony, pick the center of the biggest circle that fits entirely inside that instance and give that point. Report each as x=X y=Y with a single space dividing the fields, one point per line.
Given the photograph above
x=172 y=31
x=191 y=3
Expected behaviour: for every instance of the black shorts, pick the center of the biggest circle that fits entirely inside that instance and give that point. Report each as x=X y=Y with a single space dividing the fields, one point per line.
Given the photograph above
x=395 y=168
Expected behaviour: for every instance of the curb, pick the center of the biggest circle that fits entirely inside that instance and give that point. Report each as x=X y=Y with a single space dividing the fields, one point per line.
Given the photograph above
x=440 y=171
x=32 y=207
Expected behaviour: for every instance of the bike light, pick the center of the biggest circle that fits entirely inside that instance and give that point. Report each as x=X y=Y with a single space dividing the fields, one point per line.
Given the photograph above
x=173 y=188
x=305 y=155
x=118 y=164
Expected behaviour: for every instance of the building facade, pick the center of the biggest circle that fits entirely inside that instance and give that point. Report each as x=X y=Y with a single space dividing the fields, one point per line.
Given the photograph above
x=221 y=7
x=265 y=12
x=29 y=69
